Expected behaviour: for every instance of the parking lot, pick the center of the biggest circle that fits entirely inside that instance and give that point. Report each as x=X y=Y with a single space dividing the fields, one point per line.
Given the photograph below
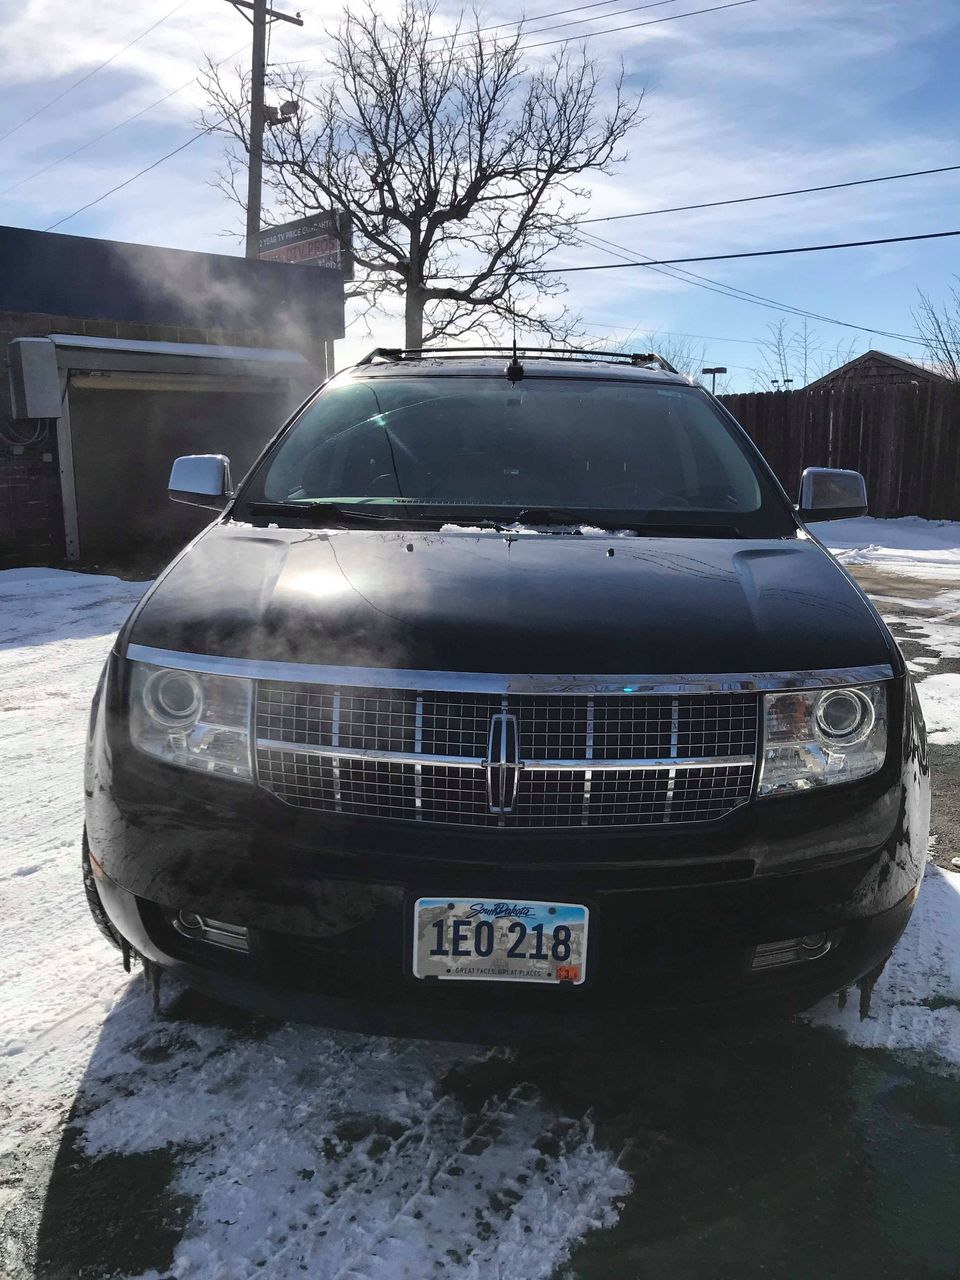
x=206 y=1143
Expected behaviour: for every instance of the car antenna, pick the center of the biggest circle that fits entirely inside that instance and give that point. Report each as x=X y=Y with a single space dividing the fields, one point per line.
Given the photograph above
x=515 y=368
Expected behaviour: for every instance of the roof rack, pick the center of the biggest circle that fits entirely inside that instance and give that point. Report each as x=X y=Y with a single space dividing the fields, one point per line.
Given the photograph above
x=398 y=354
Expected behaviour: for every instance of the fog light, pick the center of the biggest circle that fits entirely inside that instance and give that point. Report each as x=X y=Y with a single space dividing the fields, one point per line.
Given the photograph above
x=813 y=941
x=771 y=955
x=218 y=933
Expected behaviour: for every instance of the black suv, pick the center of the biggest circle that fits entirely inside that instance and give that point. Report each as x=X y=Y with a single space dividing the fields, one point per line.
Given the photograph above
x=508 y=690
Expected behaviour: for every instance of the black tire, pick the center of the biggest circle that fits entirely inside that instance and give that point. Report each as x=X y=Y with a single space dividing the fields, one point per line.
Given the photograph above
x=100 y=917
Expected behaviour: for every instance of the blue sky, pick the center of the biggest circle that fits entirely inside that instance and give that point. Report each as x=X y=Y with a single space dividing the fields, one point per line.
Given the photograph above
x=767 y=96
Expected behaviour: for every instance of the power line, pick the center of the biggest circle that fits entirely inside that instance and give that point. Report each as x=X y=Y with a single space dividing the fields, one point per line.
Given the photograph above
x=541 y=17
x=756 y=299
x=632 y=26
x=672 y=333
x=588 y=35
x=727 y=257
x=133 y=177
x=772 y=304
x=68 y=155
x=89 y=74
x=576 y=22
x=772 y=195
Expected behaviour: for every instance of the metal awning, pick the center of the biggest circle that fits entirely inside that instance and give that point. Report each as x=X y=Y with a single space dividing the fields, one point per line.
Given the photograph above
x=40 y=367
x=44 y=370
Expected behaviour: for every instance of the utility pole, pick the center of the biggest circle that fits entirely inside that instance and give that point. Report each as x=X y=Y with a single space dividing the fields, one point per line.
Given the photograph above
x=262 y=14
x=258 y=74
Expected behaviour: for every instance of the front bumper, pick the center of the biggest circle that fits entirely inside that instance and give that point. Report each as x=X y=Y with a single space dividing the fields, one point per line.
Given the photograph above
x=345 y=982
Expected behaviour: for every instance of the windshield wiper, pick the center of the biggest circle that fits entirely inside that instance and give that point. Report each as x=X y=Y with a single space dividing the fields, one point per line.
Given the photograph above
x=575 y=521
x=349 y=515
x=548 y=516
x=335 y=512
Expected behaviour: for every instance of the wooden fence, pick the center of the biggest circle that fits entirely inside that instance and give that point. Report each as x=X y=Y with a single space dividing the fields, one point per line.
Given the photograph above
x=905 y=440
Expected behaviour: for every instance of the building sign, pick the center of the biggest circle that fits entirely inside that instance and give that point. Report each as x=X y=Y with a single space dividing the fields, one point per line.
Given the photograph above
x=313 y=239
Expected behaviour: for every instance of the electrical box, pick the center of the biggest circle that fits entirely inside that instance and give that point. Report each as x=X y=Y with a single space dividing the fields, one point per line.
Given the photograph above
x=34 y=378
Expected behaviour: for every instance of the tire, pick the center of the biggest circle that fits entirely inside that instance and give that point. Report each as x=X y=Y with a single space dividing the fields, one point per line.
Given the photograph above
x=100 y=917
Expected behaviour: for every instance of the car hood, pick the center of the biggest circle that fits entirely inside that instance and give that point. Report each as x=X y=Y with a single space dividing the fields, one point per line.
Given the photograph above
x=511 y=603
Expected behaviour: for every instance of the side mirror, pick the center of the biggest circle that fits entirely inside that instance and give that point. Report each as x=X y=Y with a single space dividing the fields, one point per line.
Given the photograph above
x=829 y=494
x=202 y=480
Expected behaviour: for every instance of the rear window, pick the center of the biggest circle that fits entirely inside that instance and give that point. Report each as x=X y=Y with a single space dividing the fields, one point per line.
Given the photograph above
x=484 y=442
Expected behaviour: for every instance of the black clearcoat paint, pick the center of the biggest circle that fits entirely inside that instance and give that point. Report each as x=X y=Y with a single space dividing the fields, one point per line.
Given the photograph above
x=528 y=602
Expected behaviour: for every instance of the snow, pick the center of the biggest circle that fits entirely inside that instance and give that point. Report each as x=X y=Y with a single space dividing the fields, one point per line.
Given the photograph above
x=916 y=1003
x=337 y=1155
x=940 y=699
x=305 y=1151
x=909 y=545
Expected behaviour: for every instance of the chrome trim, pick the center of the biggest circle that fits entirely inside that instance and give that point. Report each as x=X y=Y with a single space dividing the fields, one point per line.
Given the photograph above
x=588 y=773
x=661 y=762
x=496 y=762
x=335 y=742
x=216 y=932
x=418 y=767
x=674 y=748
x=370 y=753
x=488 y=682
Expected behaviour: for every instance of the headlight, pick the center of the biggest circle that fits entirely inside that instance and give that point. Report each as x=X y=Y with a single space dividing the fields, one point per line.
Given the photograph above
x=192 y=719
x=819 y=737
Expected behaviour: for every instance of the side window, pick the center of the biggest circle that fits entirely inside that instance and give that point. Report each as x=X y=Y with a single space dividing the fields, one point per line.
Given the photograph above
x=310 y=454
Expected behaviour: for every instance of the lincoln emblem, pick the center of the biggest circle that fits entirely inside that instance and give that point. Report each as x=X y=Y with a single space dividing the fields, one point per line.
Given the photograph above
x=503 y=763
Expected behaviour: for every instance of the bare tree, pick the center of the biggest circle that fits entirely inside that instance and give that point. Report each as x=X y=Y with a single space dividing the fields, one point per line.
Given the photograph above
x=684 y=353
x=456 y=162
x=775 y=357
x=797 y=356
x=939 y=330
x=826 y=359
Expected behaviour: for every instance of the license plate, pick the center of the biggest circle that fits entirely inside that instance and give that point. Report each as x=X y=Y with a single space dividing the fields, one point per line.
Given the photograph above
x=487 y=940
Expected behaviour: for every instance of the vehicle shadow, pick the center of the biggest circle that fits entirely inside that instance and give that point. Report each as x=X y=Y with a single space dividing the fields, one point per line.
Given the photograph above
x=205 y=1142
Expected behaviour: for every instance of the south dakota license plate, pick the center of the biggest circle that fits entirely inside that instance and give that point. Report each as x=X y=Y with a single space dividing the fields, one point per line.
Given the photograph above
x=491 y=940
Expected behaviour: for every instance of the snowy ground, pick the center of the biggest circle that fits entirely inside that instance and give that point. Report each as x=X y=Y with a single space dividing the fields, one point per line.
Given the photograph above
x=908 y=546
x=195 y=1146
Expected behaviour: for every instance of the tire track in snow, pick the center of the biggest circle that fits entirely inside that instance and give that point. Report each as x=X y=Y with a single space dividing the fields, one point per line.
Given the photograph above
x=343 y=1157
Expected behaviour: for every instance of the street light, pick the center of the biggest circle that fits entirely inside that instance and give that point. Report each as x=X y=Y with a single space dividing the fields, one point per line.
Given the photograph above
x=713 y=373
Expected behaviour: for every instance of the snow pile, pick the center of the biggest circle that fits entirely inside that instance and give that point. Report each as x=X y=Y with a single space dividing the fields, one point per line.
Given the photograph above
x=910 y=545
x=916 y=1003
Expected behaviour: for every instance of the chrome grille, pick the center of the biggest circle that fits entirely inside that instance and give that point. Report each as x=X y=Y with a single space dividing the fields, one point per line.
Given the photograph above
x=584 y=760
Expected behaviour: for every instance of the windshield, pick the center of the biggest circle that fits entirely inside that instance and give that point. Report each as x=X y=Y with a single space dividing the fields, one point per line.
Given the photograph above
x=585 y=446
